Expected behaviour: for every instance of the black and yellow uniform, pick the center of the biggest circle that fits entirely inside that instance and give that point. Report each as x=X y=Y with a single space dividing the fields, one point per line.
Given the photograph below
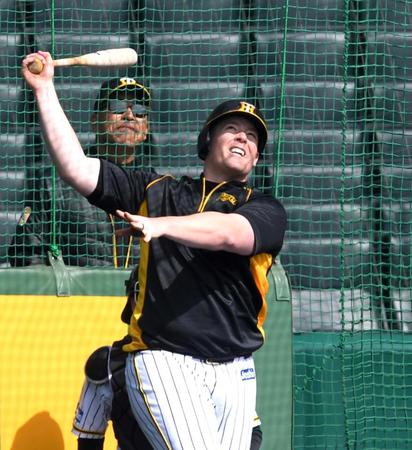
x=208 y=304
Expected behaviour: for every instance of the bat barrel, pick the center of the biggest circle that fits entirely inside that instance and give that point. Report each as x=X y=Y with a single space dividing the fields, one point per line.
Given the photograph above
x=116 y=57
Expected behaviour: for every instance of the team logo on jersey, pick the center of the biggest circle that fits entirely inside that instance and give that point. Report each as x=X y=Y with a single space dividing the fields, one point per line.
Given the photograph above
x=225 y=197
x=247 y=374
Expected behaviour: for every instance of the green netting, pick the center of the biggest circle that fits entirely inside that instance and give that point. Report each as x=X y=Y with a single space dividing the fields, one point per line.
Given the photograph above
x=334 y=80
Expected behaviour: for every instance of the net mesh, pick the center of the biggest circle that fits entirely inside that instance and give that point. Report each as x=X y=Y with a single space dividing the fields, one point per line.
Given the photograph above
x=334 y=81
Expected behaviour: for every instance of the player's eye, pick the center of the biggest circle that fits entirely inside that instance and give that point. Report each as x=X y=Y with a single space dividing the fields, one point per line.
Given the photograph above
x=252 y=136
x=121 y=106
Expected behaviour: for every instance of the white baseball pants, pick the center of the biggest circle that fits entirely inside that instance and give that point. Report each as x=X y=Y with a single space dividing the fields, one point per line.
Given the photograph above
x=187 y=403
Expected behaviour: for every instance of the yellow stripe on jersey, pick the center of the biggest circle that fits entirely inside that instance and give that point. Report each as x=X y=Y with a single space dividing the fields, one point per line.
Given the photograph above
x=259 y=266
x=134 y=330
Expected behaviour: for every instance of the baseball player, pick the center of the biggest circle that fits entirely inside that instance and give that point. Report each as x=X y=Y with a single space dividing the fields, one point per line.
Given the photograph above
x=104 y=396
x=85 y=235
x=207 y=245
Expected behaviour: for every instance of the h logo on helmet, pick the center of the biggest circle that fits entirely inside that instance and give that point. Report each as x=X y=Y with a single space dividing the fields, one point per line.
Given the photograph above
x=247 y=107
x=125 y=81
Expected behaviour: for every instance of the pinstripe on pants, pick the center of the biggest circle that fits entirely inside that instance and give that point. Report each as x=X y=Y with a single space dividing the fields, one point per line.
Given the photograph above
x=186 y=403
x=93 y=410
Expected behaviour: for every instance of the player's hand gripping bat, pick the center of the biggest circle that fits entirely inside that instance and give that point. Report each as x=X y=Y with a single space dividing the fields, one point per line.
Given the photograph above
x=115 y=57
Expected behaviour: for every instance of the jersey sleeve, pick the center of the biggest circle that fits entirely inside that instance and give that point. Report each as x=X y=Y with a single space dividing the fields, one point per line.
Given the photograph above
x=120 y=188
x=267 y=217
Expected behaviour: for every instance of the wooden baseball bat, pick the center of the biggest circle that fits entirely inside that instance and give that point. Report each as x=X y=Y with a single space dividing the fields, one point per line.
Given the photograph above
x=115 y=57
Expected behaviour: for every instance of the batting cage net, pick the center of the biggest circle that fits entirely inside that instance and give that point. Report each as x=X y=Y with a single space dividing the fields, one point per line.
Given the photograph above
x=334 y=81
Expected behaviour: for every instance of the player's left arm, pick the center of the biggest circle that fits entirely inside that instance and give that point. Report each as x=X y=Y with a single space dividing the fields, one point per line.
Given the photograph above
x=207 y=230
x=255 y=227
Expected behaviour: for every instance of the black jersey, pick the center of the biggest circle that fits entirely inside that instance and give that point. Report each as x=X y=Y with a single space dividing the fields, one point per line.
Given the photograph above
x=208 y=304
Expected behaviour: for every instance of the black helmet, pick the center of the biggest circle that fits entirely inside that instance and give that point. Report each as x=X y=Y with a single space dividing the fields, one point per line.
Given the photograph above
x=238 y=107
x=110 y=88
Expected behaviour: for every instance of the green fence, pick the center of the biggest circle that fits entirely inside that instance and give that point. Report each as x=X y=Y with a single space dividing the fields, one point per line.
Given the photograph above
x=334 y=80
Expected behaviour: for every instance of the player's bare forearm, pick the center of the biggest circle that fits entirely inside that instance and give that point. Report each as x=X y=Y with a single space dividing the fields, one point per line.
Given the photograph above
x=63 y=145
x=207 y=230
x=72 y=164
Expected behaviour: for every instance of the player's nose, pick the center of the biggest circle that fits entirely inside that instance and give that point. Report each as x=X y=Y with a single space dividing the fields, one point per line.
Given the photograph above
x=241 y=136
x=128 y=113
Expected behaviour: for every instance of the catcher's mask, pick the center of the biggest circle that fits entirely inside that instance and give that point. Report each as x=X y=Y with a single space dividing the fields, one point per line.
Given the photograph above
x=238 y=108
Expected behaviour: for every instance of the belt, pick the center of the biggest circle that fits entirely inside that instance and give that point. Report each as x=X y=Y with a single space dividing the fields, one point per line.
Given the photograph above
x=221 y=360
x=217 y=360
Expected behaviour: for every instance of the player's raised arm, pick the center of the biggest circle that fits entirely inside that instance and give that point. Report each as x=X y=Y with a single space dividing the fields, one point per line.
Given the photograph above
x=78 y=170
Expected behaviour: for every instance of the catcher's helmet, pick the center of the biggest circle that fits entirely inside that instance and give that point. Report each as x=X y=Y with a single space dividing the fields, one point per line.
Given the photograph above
x=235 y=107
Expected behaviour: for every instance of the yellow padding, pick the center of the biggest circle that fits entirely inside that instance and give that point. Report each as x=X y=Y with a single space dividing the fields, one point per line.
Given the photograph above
x=45 y=341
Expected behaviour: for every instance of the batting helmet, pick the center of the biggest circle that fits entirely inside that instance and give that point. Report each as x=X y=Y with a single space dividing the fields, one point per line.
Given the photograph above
x=232 y=107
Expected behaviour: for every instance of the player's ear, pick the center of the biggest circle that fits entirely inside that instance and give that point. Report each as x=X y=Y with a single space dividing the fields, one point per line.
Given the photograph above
x=256 y=159
x=147 y=124
x=207 y=141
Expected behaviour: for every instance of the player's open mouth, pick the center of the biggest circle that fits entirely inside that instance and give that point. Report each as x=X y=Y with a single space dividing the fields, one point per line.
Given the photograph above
x=237 y=151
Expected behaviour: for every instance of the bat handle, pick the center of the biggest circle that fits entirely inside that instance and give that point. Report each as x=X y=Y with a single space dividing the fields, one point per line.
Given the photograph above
x=36 y=66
